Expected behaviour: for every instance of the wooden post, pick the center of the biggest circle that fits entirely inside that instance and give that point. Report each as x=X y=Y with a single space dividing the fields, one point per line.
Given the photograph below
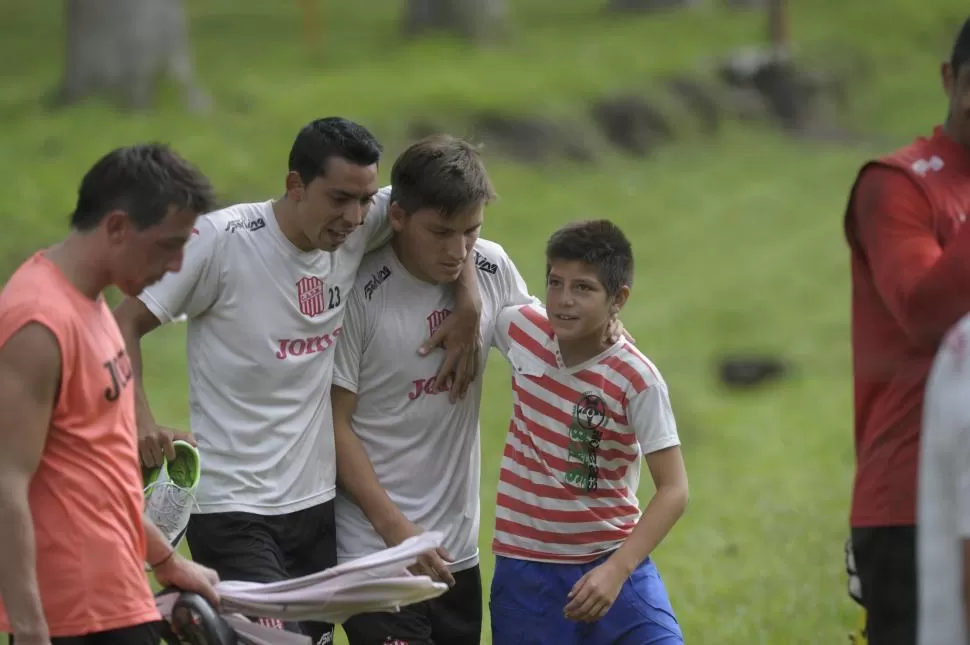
x=779 y=27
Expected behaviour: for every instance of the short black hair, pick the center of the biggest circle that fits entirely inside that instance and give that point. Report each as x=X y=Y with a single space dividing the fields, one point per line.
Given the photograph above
x=331 y=136
x=146 y=181
x=599 y=244
x=443 y=173
x=961 y=48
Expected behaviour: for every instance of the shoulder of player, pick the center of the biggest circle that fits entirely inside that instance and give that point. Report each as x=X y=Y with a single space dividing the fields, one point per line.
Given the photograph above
x=491 y=259
x=374 y=270
x=637 y=372
x=232 y=221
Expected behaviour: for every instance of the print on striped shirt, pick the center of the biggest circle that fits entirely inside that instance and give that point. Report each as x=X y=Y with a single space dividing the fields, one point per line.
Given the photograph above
x=589 y=415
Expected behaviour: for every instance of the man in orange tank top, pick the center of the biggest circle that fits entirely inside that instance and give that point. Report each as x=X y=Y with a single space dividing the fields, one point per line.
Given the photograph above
x=910 y=263
x=74 y=542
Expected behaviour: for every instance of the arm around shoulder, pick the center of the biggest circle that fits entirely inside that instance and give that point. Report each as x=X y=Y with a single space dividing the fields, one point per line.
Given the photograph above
x=30 y=375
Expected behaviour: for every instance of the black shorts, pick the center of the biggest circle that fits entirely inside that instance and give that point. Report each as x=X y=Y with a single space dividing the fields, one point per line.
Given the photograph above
x=144 y=634
x=885 y=559
x=454 y=618
x=268 y=548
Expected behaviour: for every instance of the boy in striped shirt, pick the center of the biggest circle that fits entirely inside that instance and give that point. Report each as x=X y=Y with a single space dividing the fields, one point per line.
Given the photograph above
x=572 y=548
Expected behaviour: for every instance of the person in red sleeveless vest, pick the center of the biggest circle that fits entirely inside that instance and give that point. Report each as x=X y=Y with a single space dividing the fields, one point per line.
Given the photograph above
x=74 y=541
x=910 y=266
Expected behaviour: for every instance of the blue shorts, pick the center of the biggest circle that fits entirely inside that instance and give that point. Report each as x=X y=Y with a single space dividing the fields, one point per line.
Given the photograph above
x=528 y=599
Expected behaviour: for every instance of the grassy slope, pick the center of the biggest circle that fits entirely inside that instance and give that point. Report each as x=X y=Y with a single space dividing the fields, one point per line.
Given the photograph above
x=739 y=243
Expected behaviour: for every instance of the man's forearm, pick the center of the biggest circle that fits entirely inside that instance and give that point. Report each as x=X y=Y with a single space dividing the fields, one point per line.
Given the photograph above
x=467 y=292
x=356 y=475
x=143 y=412
x=157 y=548
x=663 y=511
x=18 y=563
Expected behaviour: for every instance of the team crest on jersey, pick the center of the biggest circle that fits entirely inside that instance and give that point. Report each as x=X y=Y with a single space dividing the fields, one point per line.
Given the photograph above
x=309 y=296
x=435 y=318
x=590 y=411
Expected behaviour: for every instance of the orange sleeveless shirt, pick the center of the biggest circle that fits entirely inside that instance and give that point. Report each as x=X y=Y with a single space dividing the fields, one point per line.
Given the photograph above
x=86 y=496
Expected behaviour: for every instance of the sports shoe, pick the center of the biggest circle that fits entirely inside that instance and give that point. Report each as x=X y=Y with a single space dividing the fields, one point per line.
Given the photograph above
x=170 y=491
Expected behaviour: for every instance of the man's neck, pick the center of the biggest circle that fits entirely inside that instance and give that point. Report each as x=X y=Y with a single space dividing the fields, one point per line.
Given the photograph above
x=407 y=261
x=82 y=263
x=285 y=212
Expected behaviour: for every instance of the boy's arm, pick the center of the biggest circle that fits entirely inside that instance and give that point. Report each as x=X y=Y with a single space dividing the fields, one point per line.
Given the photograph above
x=651 y=415
x=30 y=374
x=192 y=291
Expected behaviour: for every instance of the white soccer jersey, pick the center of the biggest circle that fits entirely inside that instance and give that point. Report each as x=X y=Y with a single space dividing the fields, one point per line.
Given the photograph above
x=567 y=487
x=263 y=318
x=943 y=501
x=425 y=450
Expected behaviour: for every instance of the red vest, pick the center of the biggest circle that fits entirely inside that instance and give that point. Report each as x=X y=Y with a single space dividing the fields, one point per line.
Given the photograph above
x=890 y=367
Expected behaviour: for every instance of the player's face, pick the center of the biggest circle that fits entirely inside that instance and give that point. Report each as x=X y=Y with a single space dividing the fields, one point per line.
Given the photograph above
x=143 y=257
x=332 y=206
x=435 y=247
x=577 y=303
x=957 y=86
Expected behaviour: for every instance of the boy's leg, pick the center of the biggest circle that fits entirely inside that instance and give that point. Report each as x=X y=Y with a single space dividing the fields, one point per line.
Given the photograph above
x=642 y=614
x=240 y=546
x=456 y=616
x=527 y=602
x=309 y=539
x=410 y=625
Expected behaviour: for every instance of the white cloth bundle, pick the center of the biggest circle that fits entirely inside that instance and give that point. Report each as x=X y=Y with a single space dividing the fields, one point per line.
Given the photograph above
x=378 y=582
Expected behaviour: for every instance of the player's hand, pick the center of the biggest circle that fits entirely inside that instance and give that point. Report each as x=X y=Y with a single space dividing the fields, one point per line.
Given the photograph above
x=458 y=335
x=595 y=593
x=433 y=564
x=155 y=444
x=186 y=575
x=615 y=330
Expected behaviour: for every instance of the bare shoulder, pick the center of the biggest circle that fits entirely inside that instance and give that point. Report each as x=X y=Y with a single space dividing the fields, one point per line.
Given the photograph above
x=32 y=357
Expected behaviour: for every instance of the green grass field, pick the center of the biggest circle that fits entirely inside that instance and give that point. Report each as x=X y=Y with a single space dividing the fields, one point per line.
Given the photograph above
x=738 y=240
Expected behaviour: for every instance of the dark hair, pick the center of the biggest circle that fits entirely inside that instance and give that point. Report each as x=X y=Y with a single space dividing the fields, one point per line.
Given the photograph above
x=597 y=243
x=332 y=136
x=961 y=48
x=440 y=172
x=144 y=180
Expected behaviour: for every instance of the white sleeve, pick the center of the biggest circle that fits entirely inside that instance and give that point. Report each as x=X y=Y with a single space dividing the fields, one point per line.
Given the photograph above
x=652 y=418
x=351 y=344
x=516 y=290
x=195 y=288
x=377 y=224
x=501 y=340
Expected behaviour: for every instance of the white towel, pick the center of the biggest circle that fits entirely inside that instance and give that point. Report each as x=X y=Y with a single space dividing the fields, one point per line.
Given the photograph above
x=378 y=582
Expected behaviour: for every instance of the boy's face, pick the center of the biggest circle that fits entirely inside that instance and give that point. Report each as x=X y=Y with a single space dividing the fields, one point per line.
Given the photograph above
x=577 y=302
x=436 y=246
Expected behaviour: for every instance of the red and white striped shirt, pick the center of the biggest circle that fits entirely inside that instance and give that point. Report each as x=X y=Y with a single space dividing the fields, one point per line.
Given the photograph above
x=567 y=489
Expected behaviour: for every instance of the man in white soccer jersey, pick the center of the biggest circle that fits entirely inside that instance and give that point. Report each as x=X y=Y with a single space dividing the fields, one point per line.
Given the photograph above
x=264 y=287
x=572 y=548
x=943 y=498
x=407 y=457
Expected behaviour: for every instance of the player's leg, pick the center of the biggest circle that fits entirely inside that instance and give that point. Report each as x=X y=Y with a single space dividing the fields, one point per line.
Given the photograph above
x=240 y=546
x=642 y=613
x=456 y=616
x=526 y=604
x=309 y=540
x=885 y=558
x=411 y=625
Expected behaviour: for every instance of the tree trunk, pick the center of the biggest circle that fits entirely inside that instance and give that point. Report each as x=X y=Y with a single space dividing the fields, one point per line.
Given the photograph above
x=122 y=47
x=476 y=20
